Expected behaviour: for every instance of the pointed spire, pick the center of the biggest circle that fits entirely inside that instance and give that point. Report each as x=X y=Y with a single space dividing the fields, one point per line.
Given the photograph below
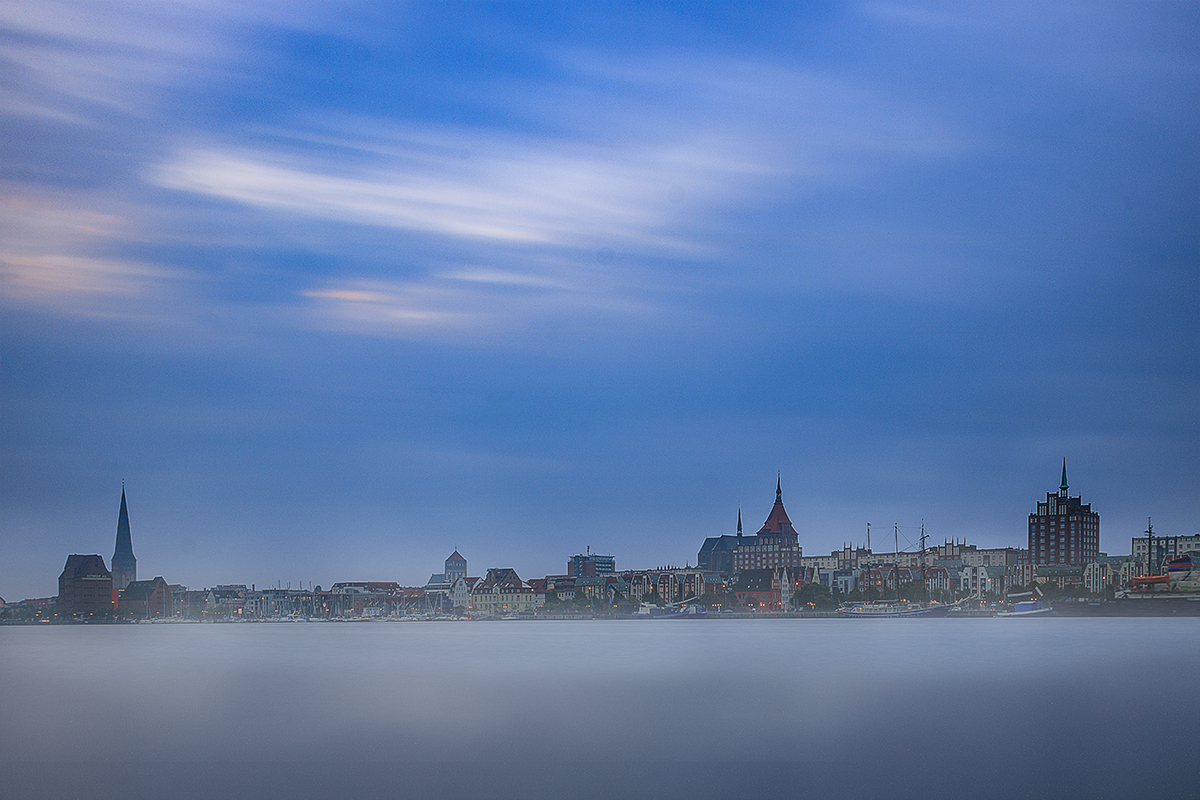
x=124 y=543
x=739 y=528
x=124 y=565
x=779 y=488
x=1062 y=490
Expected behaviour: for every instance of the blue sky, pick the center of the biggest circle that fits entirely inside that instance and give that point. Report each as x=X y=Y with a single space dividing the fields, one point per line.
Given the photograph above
x=337 y=288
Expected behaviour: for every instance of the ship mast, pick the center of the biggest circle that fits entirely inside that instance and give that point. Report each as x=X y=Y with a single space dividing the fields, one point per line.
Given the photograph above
x=869 y=587
x=897 y=560
x=1149 y=547
x=924 y=587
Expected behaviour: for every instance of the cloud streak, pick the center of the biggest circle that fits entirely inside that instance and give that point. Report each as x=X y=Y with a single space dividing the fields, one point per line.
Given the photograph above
x=640 y=177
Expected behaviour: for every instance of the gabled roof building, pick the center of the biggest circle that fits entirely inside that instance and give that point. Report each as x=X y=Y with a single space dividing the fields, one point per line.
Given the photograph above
x=503 y=592
x=145 y=599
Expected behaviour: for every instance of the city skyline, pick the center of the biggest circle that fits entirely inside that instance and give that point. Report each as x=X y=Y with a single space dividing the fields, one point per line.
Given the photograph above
x=777 y=524
x=336 y=288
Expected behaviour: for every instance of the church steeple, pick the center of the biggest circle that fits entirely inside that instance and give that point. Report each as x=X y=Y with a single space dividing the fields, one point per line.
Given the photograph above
x=1062 y=490
x=124 y=565
x=739 y=528
x=777 y=521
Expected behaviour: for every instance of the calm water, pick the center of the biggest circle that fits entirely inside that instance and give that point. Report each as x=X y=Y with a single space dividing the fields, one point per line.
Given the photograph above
x=988 y=708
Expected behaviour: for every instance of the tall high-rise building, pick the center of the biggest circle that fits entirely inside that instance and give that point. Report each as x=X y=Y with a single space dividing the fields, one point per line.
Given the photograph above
x=124 y=565
x=1064 y=529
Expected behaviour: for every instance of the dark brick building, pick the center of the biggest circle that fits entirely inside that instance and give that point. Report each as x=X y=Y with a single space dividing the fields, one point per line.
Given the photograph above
x=146 y=599
x=716 y=554
x=85 y=587
x=1064 y=529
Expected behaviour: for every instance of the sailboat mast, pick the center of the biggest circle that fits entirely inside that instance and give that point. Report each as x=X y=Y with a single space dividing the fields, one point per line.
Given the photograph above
x=869 y=561
x=924 y=586
x=1150 y=570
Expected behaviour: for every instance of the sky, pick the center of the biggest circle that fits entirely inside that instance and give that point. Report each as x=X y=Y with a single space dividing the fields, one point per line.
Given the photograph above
x=337 y=288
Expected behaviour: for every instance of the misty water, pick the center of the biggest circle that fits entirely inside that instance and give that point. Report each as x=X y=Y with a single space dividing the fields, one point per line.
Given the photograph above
x=986 y=708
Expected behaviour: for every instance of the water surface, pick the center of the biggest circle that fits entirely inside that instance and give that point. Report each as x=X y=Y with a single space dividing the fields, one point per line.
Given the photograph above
x=975 y=708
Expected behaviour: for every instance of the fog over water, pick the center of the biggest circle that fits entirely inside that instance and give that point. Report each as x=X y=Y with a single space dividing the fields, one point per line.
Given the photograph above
x=739 y=708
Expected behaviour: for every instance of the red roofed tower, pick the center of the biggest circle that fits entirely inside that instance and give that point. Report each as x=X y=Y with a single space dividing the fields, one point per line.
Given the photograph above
x=777 y=521
x=776 y=545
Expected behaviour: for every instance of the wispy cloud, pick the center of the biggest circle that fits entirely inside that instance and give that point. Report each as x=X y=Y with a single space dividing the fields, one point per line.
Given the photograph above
x=55 y=255
x=66 y=274
x=644 y=156
x=475 y=300
x=64 y=58
x=641 y=177
x=502 y=277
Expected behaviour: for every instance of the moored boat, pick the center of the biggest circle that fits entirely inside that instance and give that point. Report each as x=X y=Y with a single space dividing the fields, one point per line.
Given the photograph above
x=888 y=609
x=683 y=611
x=1026 y=608
x=894 y=609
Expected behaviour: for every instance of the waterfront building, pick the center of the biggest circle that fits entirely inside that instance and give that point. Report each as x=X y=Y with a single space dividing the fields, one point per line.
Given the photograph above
x=1063 y=529
x=146 y=599
x=225 y=600
x=440 y=584
x=369 y=598
x=1064 y=576
x=766 y=589
x=596 y=588
x=941 y=580
x=839 y=580
x=983 y=580
x=775 y=545
x=1108 y=573
x=1165 y=549
x=972 y=556
x=503 y=592
x=669 y=584
x=460 y=592
x=857 y=557
x=590 y=565
x=85 y=587
x=124 y=565
x=190 y=603
x=1022 y=574
x=849 y=557
x=761 y=589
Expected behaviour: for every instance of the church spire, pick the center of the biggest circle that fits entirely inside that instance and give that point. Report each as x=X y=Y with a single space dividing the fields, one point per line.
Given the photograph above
x=739 y=529
x=124 y=565
x=779 y=488
x=1062 y=490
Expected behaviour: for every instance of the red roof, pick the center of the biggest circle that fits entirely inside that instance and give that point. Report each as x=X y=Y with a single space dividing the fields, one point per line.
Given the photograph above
x=775 y=521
